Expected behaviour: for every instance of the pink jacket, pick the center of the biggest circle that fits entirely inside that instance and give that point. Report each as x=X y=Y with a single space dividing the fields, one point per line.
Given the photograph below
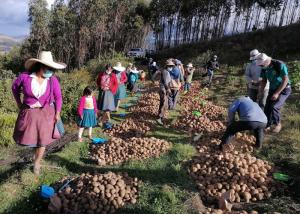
x=81 y=106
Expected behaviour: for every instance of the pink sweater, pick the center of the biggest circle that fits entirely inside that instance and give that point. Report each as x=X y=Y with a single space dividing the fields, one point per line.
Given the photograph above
x=23 y=85
x=82 y=103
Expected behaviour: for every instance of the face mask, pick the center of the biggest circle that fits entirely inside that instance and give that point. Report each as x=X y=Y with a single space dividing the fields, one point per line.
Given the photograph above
x=169 y=69
x=108 y=72
x=48 y=74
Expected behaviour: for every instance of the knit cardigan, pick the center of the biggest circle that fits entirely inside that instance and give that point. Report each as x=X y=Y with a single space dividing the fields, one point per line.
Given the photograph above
x=82 y=103
x=113 y=82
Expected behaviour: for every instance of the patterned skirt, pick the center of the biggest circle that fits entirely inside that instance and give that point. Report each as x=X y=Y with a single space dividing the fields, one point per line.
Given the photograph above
x=34 y=126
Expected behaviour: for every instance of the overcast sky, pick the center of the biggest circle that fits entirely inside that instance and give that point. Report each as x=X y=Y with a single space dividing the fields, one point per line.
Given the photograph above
x=13 y=17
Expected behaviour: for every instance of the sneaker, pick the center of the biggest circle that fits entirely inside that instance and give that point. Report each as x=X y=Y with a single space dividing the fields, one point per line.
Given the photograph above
x=160 y=122
x=277 y=128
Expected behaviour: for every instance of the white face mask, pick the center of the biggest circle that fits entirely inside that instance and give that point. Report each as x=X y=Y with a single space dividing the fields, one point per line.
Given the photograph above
x=169 y=68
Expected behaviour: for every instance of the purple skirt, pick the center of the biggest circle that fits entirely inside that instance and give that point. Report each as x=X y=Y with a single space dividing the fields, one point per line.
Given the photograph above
x=34 y=127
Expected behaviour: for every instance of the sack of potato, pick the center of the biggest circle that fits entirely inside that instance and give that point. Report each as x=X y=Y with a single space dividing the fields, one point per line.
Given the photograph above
x=98 y=193
x=129 y=128
x=119 y=150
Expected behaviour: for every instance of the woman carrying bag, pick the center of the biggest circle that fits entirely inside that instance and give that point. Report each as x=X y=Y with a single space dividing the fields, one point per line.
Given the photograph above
x=40 y=107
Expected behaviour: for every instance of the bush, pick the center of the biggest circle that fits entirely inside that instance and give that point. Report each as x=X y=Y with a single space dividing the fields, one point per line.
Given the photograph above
x=294 y=73
x=72 y=85
x=7 y=101
x=7 y=124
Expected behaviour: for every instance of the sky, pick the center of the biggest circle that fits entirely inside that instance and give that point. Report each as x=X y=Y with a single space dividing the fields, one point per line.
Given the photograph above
x=13 y=17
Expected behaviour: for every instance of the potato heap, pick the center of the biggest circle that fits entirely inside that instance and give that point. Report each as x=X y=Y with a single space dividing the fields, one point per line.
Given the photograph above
x=129 y=128
x=118 y=150
x=99 y=193
x=147 y=106
x=241 y=173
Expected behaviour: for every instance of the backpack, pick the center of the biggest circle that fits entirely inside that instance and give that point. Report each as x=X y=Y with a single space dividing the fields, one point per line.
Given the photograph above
x=132 y=78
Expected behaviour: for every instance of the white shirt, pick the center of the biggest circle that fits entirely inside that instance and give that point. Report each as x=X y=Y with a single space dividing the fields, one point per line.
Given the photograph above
x=38 y=89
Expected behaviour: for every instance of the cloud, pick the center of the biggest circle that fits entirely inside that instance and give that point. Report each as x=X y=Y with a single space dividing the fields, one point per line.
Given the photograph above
x=14 y=16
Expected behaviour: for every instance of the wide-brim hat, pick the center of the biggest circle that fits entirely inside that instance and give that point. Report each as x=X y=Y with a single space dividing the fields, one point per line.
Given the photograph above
x=45 y=58
x=119 y=67
x=253 y=54
x=262 y=59
x=170 y=62
x=135 y=71
x=190 y=65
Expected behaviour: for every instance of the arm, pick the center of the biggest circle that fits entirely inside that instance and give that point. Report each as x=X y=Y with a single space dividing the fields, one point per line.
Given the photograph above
x=81 y=106
x=57 y=96
x=167 y=79
x=114 y=84
x=232 y=110
x=155 y=75
x=16 y=89
x=99 y=80
x=285 y=81
x=123 y=77
x=95 y=105
x=248 y=74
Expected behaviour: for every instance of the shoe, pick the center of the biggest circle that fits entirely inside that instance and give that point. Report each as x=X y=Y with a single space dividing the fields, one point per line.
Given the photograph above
x=277 y=128
x=90 y=137
x=160 y=122
x=80 y=140
x=267 y=130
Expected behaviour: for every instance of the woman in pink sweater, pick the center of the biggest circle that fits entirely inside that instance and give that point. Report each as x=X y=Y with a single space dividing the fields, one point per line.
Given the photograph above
x=40 y=105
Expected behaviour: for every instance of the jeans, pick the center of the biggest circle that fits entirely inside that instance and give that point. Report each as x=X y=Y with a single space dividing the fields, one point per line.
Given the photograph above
x=238 y=126
x=187 y=86
x=173 y=99
x=253 y=94
x=210 y=74
x=273 y=107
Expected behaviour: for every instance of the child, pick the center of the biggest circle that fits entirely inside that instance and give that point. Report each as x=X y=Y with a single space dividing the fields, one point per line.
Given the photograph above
x=108 y=85
x=143 y=76
x=122 y=79
x=188 y=77
x=87 y=111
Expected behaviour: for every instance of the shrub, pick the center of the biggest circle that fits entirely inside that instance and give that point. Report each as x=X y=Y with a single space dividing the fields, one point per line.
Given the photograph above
x=7 y=123
x=294 y=73
x=72 y=85
x=7 y=102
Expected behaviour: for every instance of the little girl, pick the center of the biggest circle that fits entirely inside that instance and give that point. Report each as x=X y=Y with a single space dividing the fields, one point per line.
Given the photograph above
x=87 y=111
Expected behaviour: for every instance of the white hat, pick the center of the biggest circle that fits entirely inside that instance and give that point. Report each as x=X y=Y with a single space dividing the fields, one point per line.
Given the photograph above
x=262 y=59
x=253 y=54
x=134 y=70
x=190 y=65
x=170 y=62
x=45 y=58
x=119 y=67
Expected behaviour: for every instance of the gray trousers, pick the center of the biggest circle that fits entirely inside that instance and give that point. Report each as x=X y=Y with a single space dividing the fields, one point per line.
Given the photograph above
x=163 y=103
x=253 y=94
x=173 y=99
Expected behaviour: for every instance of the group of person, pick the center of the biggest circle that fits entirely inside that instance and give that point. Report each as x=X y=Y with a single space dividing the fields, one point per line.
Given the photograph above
x=268 y=87
x=38 y=95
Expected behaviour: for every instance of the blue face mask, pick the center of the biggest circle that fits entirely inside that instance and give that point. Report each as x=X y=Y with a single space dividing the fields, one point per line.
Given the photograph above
x=48 y=74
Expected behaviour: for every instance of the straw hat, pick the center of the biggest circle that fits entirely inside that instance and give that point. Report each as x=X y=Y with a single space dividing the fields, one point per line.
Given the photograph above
x=119 y=67
x=45 y=58
x=262 y=59
x=170 y=62
x=253 y=54
x=190 y=65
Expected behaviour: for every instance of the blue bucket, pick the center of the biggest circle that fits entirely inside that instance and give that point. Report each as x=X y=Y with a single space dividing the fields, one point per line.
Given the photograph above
x=47 y=191
x=98 y=140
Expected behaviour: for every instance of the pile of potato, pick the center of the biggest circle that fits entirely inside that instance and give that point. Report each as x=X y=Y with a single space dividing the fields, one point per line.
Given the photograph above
x=147 y=106
x=98 y=193
x=246 y=177
x=129 y=128
x=118 y=150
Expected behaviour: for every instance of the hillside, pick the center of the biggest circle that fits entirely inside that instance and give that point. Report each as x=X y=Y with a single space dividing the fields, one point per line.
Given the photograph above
x=7 y=42
x=278 y=42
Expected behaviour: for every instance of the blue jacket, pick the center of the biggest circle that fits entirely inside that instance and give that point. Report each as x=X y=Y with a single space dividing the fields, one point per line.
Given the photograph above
x=247 y=111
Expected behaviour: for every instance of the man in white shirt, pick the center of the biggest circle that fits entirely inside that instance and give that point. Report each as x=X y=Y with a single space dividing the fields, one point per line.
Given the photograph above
x=252 y=75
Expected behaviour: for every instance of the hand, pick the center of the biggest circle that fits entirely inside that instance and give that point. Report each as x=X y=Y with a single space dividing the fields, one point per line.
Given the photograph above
x=57 y=117
x=275 y=96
